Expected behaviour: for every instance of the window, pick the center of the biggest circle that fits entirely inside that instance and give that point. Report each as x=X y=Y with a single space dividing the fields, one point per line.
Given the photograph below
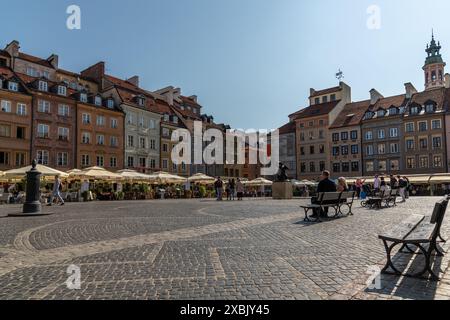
x=381 y=148
x=142 y=142
x=43 y=86
x=335 y=137
x=382 y=165
x=165 y=132
x=344 y=150
x=311 y=124
x=114 y=123
x=86 y=138
x=321 y=123
x=393 y=111
x=381 y=134
x=20 y=159
x=100 y=139
x=13 y=86
x=437 y=142
x=83 y=97
x=336 y=151
x=46 y=75
x=63 y=110
x=429 y=108
x=62 y=90
x=130 y=162
x=152 y=163
x=311 y=150
x=322 y=165
x=143 y=162
x=355 y=166
x=423 y=162
x=394 y=148
x=31 y=72
x=395 y=166
x=423 y=126
x=100 y=161
x=369 y=150
x=113 y=162
x=43 y=157
x=321 y=134
x=410 y=144
x=43 y=131
x=369 y=166
x=141 y=121
x=355 y=149
x=6 y=106
x=423 y=143
x=141 y=101
x=114 y=141
x=165 y=163
x=130 y=141
x=333 y=97
x=153 y=144
x=86 y=118
x=317 y=100
x=21 y=109
x=63 y=134
x=130 y=118
x=415 y=110
x=324 y=99
x=409 y=127
x=98 y=100
x=62 y=159
x=354 y=135
x=312 y=167
x=346 y=167
x=344 y=136
x=151 y=124
x=368 y=115
x=43 y=106
x=393 y=132
x=5 y=130
x=410 y=163
x=101 y=121
x=110 y=104
x=20 y=132
x=165 y=147
x=369 y=135
x=85 y=160
x=175 y=119
x=4 y=158
x=336 y=167
x=380 y=113
x=302 y=167
x=436 y=124
x=437 y=161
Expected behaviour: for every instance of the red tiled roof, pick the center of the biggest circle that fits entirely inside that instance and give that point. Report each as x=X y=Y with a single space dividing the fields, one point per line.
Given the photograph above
x=437 y=95
x=128 y=97
x=326 y=91
x=317 y=110
x=6 y=73
x=28 y=80
x=351 y=115
x=287 y=128
x=386 y=103
x=34 y=59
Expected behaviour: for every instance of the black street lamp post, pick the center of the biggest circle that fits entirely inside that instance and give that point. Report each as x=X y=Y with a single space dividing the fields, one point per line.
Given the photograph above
x=32 y=204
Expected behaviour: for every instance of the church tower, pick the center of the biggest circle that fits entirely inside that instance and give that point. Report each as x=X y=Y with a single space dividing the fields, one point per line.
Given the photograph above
x=434 y=66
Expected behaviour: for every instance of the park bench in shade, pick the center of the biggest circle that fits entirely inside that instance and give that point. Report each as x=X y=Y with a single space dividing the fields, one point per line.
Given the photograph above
x=340 y=202
x=416 y=232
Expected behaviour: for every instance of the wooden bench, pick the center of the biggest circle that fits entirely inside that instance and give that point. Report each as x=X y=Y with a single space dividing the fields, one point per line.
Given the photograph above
x=327 y=200
x=415 y=232
x=347 y=199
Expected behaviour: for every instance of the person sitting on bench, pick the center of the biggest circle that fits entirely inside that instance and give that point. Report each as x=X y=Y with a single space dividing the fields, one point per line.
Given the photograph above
x=325 y=185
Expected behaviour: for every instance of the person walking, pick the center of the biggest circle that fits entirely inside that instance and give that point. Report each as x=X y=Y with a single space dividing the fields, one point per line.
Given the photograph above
x=56 y=192
x=240 y=189
x=228 y=190
x=377 y=184
x=219 y=188
x=233 y=189
x=402 y=185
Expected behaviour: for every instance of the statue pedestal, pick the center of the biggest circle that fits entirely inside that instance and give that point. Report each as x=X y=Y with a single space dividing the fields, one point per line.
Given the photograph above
x=282 y=191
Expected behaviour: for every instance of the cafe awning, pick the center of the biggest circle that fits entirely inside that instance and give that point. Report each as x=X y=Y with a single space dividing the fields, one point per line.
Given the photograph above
x=44 y=170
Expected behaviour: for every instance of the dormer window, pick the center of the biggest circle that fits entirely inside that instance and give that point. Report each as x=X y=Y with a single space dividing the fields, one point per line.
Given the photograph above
x=175 y=119
x=195 y=110
x=83 y=97
x=98 y=100
x=368 y=116
x=380 y=113
x=62 y=90
x=110 y=103
x=429 y=108
x=393 y=111
x=166 y=118
x=13 y=86
x=140 y=101
x=182 y=108
x=415 y=110
x=43 y=86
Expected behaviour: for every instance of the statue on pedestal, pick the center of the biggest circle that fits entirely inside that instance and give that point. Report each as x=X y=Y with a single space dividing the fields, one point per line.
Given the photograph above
x=281 y=175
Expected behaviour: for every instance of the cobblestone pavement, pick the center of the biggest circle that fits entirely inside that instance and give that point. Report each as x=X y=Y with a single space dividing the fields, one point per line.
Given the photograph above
x=255 y=249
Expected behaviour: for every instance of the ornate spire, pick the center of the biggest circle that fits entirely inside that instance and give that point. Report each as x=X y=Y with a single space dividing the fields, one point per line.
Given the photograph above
x=433 y=51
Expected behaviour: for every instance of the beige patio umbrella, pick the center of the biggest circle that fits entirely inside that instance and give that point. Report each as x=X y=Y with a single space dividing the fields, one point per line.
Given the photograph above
x=259 y=182
x=165 y=178
x=133 y=175
x=45 y=172
x=308 y=183
x=201 y=178
x=98 y=173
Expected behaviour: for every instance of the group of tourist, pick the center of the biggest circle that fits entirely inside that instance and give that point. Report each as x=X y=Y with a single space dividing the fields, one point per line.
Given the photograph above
x=233 y=189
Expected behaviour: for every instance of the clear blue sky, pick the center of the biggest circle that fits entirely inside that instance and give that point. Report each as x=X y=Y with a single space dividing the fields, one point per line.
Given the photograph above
x=251 y=62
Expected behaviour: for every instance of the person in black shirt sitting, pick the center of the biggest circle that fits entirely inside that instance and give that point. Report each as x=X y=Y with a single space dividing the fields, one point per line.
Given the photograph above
x=325 y=185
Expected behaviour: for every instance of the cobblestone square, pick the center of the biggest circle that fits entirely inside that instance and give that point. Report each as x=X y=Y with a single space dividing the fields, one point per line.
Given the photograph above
x=190 y=249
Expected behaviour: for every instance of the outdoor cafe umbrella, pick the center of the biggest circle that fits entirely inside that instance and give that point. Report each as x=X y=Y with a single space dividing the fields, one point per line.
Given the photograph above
x=201 y=178
x=45 y=172
x=165 y=178
x=259 y=182
x=133 y=175
x=98 y=173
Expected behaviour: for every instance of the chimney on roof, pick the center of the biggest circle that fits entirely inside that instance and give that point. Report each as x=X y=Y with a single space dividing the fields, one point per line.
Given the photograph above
x=375 y=96
x=96 y=72
x=134 y=80
x=447 y=80
x=54 y=60
x=410 y=90
x=193 y=98
x=312 y=92
x=13 y=48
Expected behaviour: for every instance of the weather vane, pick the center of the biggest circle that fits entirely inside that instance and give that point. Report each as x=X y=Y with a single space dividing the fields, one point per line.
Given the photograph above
x=340 y=75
